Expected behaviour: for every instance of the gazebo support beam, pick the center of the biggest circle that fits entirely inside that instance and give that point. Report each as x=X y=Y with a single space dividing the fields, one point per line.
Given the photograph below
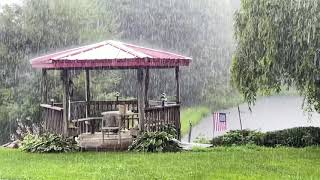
x=65 y=100
x=177 y=85
x=141 y=96
x=147 y=79
x=87 y=92
x=44 y=86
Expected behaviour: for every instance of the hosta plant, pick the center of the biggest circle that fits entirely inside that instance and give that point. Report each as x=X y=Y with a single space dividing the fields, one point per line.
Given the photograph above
x=48 y=143
x=155 y=142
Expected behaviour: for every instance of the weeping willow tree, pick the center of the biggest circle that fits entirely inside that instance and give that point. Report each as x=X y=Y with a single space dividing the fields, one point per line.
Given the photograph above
x=278 y=44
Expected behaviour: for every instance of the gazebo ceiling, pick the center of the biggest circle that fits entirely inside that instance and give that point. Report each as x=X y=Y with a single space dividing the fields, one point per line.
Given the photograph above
x=110 y=55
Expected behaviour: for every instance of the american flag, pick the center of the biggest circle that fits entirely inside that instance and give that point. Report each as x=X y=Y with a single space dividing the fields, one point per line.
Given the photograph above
x=220 y=121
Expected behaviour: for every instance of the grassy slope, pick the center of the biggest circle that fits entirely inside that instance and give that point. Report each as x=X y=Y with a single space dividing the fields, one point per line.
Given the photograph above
x=193 y=114
x=218 y=163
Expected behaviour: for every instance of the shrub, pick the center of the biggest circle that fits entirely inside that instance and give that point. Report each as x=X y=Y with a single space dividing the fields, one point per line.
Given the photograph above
x=294 y=137
x=48 y=143
x=239 y=137
x=170 y=129
x=155 y=142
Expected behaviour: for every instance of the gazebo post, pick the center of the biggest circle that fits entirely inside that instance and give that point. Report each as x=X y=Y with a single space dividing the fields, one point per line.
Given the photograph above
x=177 y=85
x=87 y=93
x=141 y=95
x=178 y=125
x=147 y=79
x=65 y=100
x=44 y=87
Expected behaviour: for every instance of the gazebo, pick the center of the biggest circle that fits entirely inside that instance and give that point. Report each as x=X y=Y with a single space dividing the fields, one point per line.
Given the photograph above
x=66 y=117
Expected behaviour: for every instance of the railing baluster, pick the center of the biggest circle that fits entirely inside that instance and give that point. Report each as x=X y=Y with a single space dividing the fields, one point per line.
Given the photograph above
x=157 y=117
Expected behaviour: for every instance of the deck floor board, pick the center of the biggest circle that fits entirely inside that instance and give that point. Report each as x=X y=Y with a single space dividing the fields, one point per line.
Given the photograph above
x=111 y=142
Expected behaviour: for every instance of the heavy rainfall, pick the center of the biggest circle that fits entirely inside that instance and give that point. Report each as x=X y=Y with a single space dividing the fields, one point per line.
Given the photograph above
x=255 y=62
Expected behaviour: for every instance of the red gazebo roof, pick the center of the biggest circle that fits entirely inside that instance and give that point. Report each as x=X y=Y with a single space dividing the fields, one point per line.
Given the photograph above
x=110 y=54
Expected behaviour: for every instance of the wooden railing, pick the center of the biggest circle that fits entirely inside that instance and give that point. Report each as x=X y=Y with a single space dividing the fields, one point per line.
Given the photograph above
x=94 y=124
x=159 y=116
x=153 y=103
x=156 y=117
x=78 y=108
x=53 y=118
x=96 y=107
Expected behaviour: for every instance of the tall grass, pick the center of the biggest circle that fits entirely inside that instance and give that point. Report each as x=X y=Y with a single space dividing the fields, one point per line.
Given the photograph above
x=215 y=163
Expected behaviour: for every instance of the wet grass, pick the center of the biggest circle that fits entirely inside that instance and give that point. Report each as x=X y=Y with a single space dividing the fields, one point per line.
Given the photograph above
x=216 y=163
x=193 y=114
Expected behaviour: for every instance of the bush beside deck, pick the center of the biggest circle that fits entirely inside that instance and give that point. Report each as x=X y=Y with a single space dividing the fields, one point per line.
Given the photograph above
x=215 y=163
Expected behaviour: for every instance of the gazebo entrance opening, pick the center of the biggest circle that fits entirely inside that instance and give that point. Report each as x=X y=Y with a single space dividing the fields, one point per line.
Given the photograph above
x=86 y=118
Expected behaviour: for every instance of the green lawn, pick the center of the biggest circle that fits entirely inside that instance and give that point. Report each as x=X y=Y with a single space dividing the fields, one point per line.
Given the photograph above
x=193 y=114
x=218 y=163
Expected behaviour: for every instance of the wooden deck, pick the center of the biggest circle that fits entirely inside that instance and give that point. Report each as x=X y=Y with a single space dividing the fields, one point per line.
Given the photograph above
x=88 y=141
x=155 y=116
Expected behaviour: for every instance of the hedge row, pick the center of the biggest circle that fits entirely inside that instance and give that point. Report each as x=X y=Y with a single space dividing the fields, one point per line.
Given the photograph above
x=294 y=137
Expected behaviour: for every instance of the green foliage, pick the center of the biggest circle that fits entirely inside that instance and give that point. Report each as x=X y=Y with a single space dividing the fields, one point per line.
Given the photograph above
x=155 y=142
x=276 y=46
x=294 y=137
x=240 y=162
x=48 y=143
x=239 y=137
x=29 y=29
x=169 y=129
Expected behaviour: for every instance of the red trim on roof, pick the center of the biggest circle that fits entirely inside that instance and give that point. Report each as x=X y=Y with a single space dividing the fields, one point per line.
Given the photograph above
x=137 y=57
x=116 y=63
